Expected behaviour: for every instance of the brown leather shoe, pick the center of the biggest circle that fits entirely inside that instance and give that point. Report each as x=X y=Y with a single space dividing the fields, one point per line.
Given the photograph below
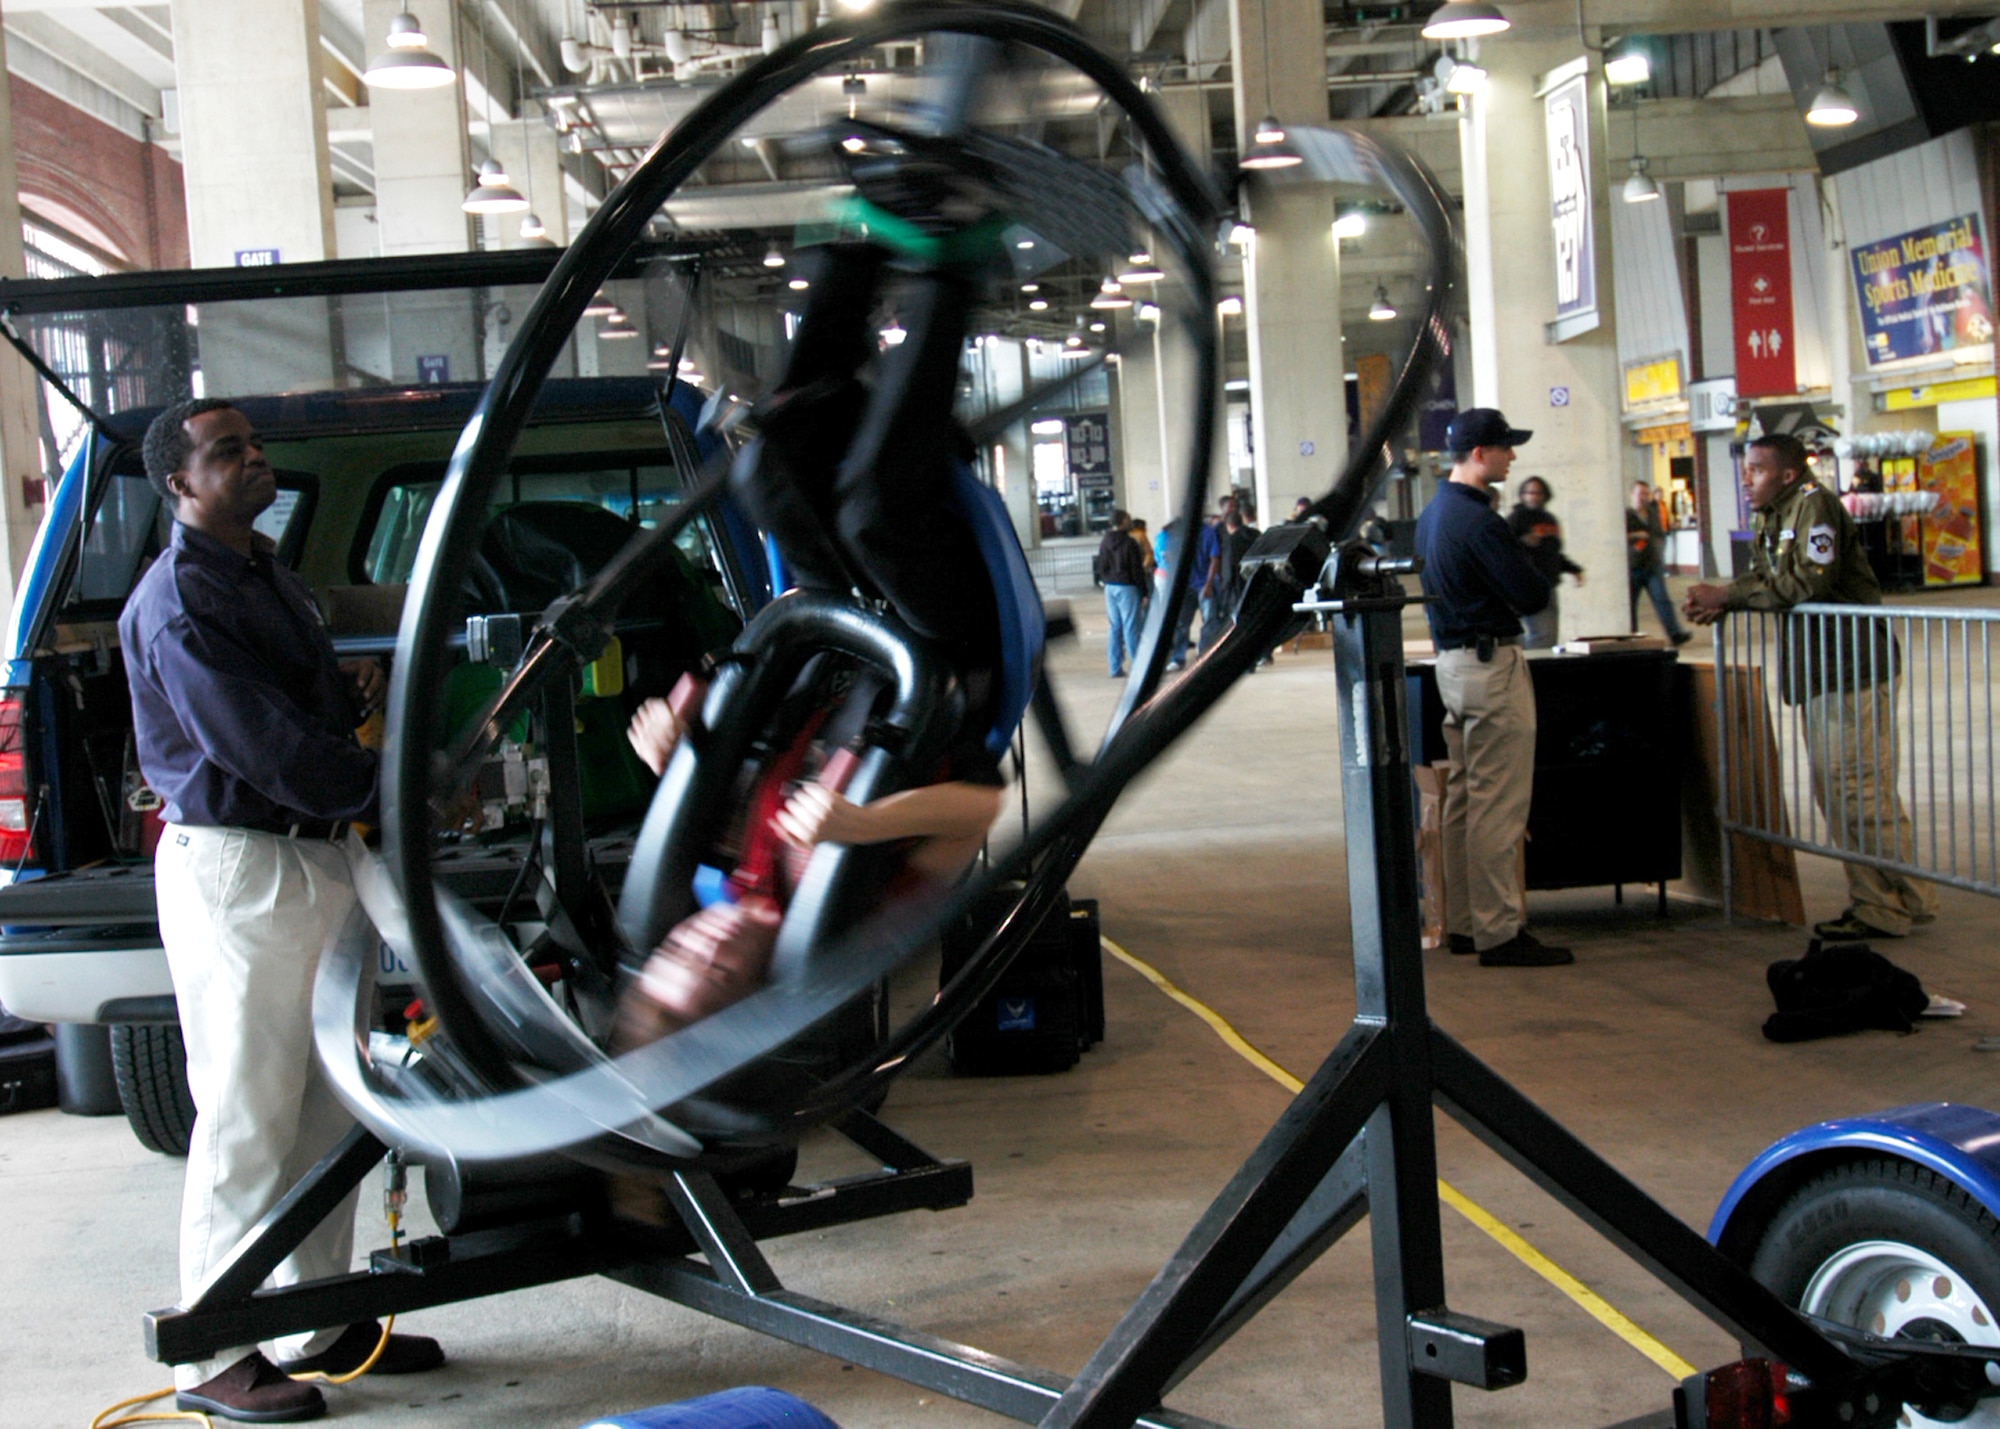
x=254 y=1391
x=405 y=1354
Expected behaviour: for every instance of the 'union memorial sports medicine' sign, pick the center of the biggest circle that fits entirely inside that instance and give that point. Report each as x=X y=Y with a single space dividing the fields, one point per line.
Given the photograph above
x=1926 y=291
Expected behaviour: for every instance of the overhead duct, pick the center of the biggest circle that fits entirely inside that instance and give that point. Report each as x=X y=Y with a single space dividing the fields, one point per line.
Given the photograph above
x=1906 y=94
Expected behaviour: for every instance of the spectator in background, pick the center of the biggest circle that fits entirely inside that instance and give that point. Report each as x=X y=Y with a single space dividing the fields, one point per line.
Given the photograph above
x=1646 y=542
x=1233 y=538
x=1121 y=569
x=1140 y=535
x=1165 y=546
x=1807 y=549
x=1540 y=534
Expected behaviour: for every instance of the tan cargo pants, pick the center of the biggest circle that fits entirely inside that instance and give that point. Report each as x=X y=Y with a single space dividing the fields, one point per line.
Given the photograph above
x=1489 y=731
x=243 y=918
x=1851 y=743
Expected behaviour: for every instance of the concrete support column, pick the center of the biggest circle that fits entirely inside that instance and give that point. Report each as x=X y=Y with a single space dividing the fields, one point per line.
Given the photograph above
x=21 y=474
x=254 y=160
x=1142 y=483
x=1567 y=393
x=422 y=159
x=530 y=151
x=1298 y=383
x=253 y=132
x=1291 y=273
x=1010 y=457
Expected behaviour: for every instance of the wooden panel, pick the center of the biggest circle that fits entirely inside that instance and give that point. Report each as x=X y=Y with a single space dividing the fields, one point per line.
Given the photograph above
x=1766 y=874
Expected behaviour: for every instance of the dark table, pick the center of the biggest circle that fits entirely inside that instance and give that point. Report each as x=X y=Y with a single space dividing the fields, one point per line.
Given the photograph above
x=1610 y=742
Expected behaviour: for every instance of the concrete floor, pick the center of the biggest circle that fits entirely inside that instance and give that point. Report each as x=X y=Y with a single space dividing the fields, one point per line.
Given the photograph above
x=1224 y=870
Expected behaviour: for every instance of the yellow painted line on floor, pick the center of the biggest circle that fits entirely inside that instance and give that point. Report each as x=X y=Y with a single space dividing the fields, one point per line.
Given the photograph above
x=1516 y=1245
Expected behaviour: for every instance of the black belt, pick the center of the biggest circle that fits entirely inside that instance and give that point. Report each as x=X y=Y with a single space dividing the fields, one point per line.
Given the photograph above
x=1472 y=641
x=326 y=830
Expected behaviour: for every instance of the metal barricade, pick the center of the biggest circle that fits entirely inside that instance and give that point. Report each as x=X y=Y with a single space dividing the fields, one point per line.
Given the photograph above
x=1864 y=733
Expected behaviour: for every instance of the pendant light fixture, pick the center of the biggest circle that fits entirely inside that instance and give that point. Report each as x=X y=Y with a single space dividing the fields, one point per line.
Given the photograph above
x=533 y=230
x=1381 y=310
x=495 y=192
x=1110 y=295
x=1832 y=107
x=408 y=62
x=1640 y=188
x=1465 y=20
x=1140 y=268
x=1269 y=148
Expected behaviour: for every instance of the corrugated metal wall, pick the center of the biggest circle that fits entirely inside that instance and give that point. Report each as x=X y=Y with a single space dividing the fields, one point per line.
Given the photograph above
x=1929 y=184
x=1652 y=317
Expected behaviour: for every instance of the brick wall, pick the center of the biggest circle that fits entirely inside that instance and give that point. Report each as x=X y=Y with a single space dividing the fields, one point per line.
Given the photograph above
x=129 y=191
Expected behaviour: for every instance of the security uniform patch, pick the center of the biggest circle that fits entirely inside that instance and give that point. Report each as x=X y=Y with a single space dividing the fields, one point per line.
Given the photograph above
x=1819 y=545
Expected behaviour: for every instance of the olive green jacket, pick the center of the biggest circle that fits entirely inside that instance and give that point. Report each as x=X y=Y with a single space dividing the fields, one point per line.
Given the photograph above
x=1808 y=550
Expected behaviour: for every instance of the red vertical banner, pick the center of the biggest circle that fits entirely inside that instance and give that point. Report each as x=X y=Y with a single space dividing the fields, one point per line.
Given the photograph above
x=1760 y=289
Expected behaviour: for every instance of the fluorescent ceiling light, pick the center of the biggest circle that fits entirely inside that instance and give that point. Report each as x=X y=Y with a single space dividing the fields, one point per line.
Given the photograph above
x=1464 y=20
x=1230 y=307
x=1627 y=65
x=1352 y=224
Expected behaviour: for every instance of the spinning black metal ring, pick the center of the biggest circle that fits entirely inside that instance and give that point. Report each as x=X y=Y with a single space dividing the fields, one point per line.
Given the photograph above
x=522 y=1120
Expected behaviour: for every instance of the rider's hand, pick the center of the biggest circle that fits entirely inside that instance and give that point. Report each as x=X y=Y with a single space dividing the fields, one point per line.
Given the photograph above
x=654 y=732
x=817 y=815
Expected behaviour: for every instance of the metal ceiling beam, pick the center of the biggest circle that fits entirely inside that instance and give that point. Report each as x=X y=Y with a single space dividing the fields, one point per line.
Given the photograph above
x=1661 y=17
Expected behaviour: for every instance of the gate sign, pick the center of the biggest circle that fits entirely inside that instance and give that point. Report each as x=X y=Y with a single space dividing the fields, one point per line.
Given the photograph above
x=1087 y=441
x=1566 y=108
x=1760 y=291
x=1924 y=292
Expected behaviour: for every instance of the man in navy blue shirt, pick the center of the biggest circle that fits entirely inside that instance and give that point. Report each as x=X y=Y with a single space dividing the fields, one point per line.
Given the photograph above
x=244 y=722
x=1480 y=582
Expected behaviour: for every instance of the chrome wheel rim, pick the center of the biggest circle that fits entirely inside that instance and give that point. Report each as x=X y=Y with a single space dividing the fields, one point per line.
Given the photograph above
x=1898 y=1291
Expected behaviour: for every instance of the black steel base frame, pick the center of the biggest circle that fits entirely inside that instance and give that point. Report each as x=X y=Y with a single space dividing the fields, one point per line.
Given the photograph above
x=1358 y=1141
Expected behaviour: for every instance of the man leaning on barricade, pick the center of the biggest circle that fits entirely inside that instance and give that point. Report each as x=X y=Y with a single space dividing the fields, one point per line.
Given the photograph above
x=1843 y=670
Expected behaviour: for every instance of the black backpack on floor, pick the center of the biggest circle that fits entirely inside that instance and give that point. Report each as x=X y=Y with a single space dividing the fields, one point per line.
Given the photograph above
x=1838 y=988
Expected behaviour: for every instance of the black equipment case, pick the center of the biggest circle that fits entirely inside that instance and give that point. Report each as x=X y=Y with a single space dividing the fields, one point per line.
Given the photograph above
x=1049 y=1007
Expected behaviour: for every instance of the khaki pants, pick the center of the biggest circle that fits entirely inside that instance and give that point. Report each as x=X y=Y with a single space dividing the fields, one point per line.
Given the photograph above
x=1489 y=731
x=1851 y=743
x=244 y=917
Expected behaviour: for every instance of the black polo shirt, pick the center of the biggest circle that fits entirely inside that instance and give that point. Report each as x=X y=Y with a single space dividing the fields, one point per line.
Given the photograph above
x=1477 y=575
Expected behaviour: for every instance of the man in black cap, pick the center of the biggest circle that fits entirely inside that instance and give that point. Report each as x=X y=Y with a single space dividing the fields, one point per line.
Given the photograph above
x=1480 y=582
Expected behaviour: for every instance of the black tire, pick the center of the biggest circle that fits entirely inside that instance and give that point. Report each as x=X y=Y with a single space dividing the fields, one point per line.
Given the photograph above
x=150 y=1063
x=1893 y=1249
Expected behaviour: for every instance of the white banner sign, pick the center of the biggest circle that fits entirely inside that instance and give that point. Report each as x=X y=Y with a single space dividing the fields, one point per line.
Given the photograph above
x=1567 y=109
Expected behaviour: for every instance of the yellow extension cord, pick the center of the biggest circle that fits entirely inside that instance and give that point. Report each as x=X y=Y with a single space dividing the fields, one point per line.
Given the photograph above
x=1516 y=1245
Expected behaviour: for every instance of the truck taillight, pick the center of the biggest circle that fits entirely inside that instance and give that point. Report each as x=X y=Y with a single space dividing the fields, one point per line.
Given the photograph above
x=16 y=814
